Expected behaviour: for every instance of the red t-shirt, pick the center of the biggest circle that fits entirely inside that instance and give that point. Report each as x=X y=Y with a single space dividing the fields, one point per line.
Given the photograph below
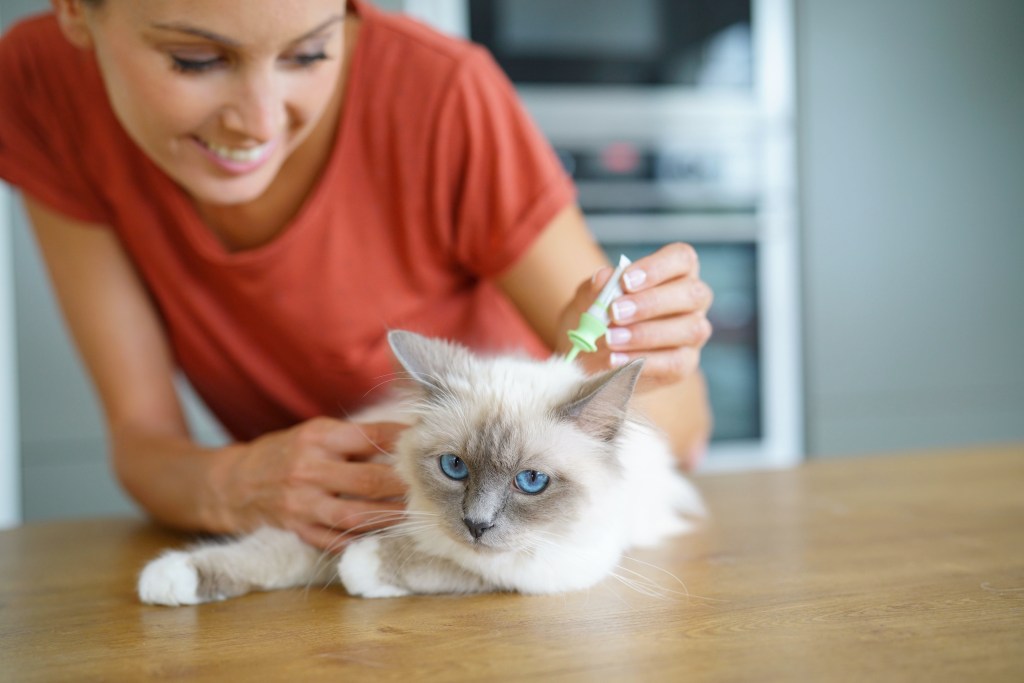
x=438 y=181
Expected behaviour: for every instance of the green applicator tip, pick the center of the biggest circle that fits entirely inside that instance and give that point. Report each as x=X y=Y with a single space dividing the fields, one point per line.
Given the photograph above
x=584 y=337
x=594 y=321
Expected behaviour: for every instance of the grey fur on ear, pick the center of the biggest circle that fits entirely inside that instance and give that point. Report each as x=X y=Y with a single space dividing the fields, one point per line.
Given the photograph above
x=599 y=406
x=425 y=359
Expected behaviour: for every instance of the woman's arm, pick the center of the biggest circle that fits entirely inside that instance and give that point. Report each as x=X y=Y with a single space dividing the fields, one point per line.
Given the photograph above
x=290 y=479
x=669 y=326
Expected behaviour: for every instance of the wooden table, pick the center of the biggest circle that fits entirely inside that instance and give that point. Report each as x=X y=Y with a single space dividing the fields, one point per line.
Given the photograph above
x=898 y=568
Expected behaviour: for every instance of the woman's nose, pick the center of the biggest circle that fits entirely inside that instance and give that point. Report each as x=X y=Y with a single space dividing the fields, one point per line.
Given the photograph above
x=257 y=109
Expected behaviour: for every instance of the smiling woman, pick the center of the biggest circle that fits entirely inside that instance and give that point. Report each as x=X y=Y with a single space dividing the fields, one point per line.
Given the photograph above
x=253 y=192
x=223 y=100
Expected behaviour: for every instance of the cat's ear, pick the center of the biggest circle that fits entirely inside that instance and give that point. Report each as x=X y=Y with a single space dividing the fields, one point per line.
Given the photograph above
x=426 y=360
x=599 y=406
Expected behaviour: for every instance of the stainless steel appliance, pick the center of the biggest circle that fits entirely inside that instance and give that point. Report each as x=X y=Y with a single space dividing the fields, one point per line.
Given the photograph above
x=675 y=119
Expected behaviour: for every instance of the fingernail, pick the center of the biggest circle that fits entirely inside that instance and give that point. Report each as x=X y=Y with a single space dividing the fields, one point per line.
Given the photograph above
x=617 y=336
x=634 y=279
x=617 y=360
x=623 y=310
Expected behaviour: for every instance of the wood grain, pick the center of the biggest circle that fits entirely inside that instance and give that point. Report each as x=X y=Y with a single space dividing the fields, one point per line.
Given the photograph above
x=896 y=568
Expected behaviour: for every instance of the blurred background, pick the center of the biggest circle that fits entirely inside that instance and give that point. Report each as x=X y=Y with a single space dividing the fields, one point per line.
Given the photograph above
x=852 y=175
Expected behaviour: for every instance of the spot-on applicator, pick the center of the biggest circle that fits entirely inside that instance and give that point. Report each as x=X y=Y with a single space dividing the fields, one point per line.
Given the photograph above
x=594 y=321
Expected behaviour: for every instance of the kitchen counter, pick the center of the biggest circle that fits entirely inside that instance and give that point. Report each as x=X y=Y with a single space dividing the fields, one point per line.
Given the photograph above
x=909 y=567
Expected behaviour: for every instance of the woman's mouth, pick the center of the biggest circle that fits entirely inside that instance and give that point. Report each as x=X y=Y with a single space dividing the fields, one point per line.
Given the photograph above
x=236 y=159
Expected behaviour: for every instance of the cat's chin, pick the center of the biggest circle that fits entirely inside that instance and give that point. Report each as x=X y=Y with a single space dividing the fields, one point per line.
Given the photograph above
x=480 y=545
x=491 y=547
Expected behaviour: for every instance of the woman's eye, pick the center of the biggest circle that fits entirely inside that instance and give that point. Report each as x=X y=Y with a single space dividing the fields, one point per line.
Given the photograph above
x=308 y=59
x=453 y=467
x=532 y=481
x=194 y=65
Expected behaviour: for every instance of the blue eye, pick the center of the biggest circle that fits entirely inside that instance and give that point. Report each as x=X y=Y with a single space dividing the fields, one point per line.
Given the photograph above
x=453 y=466
x=531 y=481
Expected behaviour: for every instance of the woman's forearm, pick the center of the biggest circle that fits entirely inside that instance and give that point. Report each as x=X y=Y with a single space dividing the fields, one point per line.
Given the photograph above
x=178 y=482
x=314 y=478
x=681 y=411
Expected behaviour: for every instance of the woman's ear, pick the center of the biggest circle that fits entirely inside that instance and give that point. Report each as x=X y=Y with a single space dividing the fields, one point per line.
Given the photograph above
x=73 y=22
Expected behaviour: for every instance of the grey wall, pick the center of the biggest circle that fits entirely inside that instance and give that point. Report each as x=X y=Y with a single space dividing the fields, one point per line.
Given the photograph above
x=912 y=181
x=64 y=463
x=63 y=446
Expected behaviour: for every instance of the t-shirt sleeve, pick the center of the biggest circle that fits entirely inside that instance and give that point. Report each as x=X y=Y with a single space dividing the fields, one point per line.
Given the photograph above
x=502 y=183
x=38 y=128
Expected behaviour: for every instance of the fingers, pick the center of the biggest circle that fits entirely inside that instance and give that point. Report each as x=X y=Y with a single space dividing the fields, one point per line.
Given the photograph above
x=326 y=538
x=317 y=479
x=354 y=440
x=340 y=465
x=668 y=263
x=662 y=315
x=335 y=522
x=356 y=516
x=672 y=298
x=371 y=480
x=321 y=537
x=663 y=333
x=589 y=289
x=663 y=366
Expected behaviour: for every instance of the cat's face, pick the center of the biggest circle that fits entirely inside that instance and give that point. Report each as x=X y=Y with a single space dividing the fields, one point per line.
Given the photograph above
x=508 y=455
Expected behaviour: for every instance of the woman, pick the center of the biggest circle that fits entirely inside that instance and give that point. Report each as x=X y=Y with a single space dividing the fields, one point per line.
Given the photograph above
x=255 y=191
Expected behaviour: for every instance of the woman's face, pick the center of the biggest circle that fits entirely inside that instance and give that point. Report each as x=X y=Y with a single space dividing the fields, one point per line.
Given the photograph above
x=218 y=93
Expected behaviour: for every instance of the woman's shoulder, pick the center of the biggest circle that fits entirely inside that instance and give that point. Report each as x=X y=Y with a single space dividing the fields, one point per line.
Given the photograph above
x=38 y=63
x=58 y=136
x=31 y=27
x=414 y=48
x=33 y=43
x=48 y=80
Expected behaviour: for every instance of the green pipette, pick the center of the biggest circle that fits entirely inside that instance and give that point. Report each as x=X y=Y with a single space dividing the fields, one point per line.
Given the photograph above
x=594 y=321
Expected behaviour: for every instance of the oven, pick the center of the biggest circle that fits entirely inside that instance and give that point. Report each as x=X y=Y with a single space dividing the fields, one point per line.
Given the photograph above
x=675 y=119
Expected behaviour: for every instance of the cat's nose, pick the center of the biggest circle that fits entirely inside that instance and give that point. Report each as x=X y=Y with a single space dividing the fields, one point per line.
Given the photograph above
x=477 y=528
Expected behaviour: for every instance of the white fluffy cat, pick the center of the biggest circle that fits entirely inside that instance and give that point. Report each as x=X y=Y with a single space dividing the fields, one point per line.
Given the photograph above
x=523 y=476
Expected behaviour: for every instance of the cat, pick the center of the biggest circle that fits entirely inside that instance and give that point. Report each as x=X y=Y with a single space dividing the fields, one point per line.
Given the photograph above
x=524 y=475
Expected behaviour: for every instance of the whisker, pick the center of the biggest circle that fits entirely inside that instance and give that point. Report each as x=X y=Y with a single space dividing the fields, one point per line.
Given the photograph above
x=387 y=379
x=330 y=553
x=634 y=580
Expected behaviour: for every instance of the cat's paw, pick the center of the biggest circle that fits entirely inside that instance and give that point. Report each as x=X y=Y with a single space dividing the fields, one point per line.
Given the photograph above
x=360 y=571
x=170 y=579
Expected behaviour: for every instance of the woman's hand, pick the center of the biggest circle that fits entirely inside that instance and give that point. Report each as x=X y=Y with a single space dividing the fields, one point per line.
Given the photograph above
x=661 y=316
x=668 y=324
x=317 y=480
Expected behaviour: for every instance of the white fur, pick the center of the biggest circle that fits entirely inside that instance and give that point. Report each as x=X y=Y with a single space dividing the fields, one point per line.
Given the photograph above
x=171 y=579
x=650 y=492
x=638 y=504
x=359 y=569
x=650 y=501
x=267 y=559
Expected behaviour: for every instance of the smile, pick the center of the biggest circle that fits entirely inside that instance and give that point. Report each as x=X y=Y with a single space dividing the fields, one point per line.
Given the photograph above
x=237 y=159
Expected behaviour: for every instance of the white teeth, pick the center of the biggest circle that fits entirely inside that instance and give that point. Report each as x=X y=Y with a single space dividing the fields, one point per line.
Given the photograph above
x=240 y=155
